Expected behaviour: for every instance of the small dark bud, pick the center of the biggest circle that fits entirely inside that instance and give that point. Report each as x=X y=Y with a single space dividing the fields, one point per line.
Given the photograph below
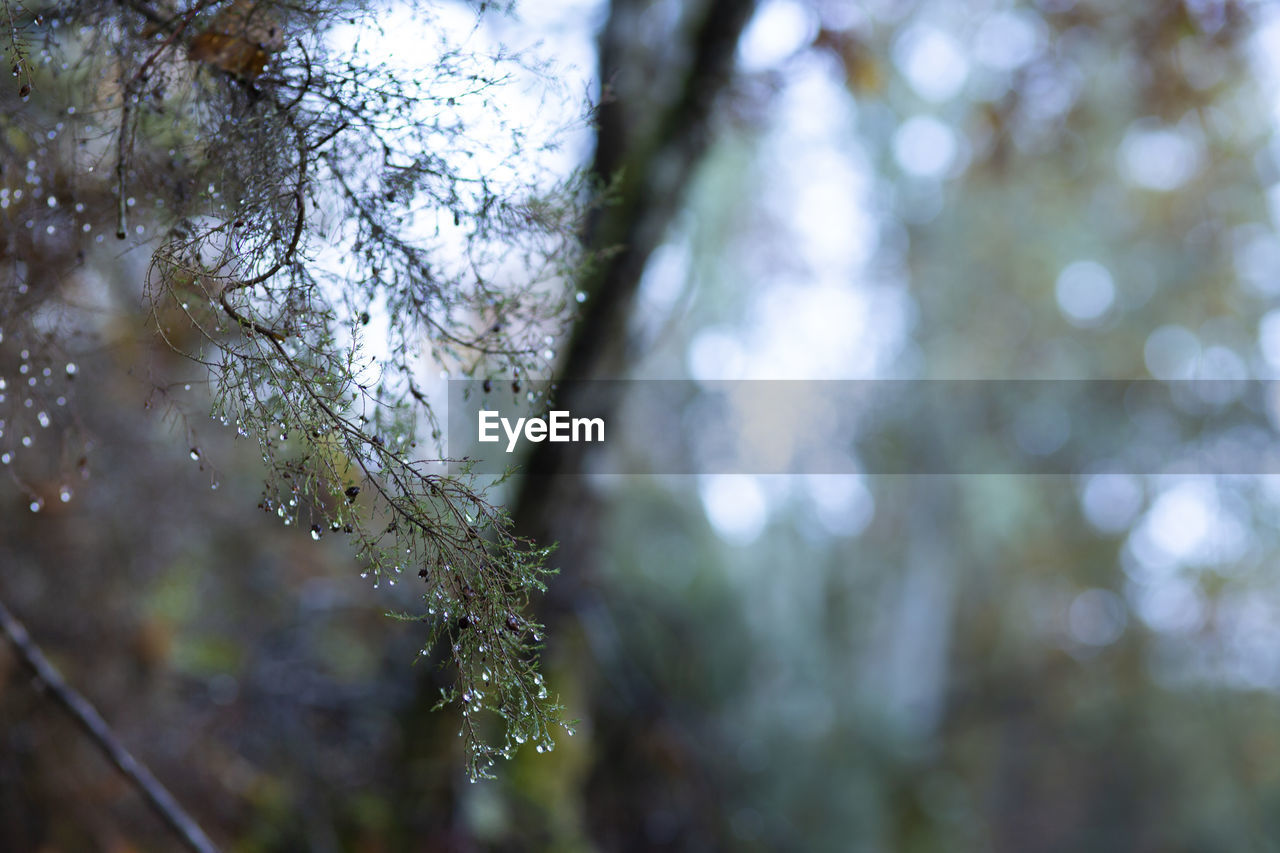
x=422 y=573
x=25 y=90
x=487 y=386
x=351 y=492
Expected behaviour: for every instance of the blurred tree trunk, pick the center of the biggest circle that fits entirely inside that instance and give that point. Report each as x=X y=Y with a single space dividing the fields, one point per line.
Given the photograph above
x=650 y=141
x=638 y=777
x=630 y=779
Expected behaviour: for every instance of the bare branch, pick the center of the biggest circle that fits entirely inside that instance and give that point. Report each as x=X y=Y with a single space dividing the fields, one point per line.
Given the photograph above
x=90 y=721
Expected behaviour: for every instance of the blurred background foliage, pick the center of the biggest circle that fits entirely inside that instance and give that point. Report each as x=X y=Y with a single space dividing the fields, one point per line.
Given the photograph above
x=880 y=189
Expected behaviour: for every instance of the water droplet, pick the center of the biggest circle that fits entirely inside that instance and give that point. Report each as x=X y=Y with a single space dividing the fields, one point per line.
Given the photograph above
x=26 y=441
x=540 y=749
x=64 y=494
x=37 y=505
x=72 y=370
x=580 y=296
x=6 y=458
x=316 y=532
x=195 y=454
x=43 y=417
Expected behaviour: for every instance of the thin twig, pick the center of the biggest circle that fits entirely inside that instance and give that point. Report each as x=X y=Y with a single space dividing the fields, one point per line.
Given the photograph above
x=88 y=718
x=126 y=114
x=122 y=151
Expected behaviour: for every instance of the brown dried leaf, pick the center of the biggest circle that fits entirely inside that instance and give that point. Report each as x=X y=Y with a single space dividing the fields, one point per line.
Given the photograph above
x=239 y=40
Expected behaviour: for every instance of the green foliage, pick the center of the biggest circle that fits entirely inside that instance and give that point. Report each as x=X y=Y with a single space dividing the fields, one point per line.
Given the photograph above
x=304 y=189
